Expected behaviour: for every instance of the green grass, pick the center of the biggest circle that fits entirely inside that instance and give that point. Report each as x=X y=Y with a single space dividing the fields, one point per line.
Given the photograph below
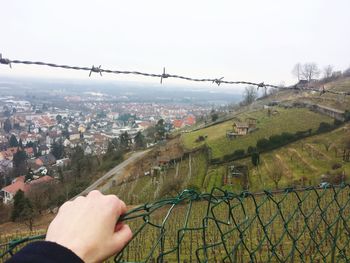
x=305 y=164
x=214 y=178
x=291 y=120
x=149 y=188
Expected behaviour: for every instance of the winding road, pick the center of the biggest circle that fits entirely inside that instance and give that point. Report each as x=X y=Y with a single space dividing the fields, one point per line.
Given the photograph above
x=105 y=182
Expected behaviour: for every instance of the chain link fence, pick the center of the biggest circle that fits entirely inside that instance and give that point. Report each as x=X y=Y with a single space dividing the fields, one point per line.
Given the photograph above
x=289 y=225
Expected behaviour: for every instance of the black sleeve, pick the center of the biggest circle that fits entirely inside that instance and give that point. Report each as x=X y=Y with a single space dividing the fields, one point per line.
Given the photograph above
x=44 y=251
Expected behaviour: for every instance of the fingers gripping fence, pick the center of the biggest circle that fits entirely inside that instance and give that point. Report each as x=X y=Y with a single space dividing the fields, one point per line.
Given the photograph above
x=290 y=225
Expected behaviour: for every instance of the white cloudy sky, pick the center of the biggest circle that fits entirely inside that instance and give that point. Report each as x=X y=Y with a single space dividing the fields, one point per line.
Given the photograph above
x=257 y=40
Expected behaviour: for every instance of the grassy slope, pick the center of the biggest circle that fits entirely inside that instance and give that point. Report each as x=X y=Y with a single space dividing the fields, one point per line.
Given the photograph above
x=299 y=161
x=148 y=188
x=291 y=120
x=328 y=99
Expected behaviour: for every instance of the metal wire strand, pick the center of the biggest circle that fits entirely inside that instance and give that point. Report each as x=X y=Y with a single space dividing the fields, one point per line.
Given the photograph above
x=164 y=75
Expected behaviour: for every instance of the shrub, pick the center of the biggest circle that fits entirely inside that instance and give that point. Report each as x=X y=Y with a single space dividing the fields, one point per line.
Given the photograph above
x=347 y=115
x=200 y=138
x=239 y=153
x=287 y=137
x=263 y=144
x=251 y=149
x=215 y=160
x=228 y=157
x=337 y=122
x=276 y=140
x=336 y=166
x=302 y=134
x=324 y=127
x=255 y=159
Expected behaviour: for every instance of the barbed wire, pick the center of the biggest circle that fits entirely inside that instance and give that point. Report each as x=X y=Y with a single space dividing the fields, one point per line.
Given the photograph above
x=164 y=75
x=293 y=224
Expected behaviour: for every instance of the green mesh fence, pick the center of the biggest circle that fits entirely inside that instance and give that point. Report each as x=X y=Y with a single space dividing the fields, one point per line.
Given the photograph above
x=290 y=225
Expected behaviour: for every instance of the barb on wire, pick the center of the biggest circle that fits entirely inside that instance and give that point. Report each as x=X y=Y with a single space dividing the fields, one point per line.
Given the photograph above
x=95 y=69
x=218 y=81
x=5 y=61
x=165 y=75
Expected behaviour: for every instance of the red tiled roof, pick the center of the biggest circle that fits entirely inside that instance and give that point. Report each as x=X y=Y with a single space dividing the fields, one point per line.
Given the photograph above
x=145 y=124
x=190 y=120
x=38 y=162
x=17 y=185
x=43 y=179
x=177 y=123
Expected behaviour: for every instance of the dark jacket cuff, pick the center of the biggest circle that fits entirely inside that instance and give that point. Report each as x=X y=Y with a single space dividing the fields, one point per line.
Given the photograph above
x=44 y=251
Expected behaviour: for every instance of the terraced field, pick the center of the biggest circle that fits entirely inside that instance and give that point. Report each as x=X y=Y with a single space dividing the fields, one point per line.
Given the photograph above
x=287 y=120
x=295 y=226
x=169 y=180
x=303 y=162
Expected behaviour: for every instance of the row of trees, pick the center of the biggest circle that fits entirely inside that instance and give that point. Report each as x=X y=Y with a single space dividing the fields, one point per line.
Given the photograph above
x=309 y=71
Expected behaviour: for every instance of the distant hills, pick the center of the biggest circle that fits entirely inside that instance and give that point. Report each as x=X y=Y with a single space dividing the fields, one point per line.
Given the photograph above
x=134 y=91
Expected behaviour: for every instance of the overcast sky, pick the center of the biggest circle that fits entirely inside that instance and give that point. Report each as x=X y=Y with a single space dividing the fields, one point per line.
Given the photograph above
x=240 y=40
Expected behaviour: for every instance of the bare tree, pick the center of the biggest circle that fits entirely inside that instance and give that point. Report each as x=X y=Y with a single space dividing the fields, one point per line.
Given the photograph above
x=249 y=95
x=297 y=71
x=276 y=172
x=310 y=71
x=327 y=71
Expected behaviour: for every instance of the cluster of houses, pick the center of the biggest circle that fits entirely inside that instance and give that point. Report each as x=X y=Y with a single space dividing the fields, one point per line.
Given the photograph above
x=38 y=165
x=181 y=123
x=37 y=131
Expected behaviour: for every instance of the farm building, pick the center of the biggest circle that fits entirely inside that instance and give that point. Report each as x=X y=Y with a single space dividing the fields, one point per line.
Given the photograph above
x=243 y=128
x=240 y=128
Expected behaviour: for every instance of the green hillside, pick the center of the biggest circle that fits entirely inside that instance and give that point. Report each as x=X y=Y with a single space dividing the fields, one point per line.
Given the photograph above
x=336 y=101
x=189 y=172
x=287 y=120
x=302 y=163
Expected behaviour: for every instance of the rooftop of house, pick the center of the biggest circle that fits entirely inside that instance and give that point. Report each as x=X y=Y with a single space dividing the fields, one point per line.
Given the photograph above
x=19 y=184
x=240 y=125
x=43 y=179
x=178 y=123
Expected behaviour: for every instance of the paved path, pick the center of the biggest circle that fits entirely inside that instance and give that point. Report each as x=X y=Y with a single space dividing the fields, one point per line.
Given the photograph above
x=105 y=182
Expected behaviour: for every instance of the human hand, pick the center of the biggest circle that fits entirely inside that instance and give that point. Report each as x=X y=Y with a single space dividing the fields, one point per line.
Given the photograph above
x=87 y=226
